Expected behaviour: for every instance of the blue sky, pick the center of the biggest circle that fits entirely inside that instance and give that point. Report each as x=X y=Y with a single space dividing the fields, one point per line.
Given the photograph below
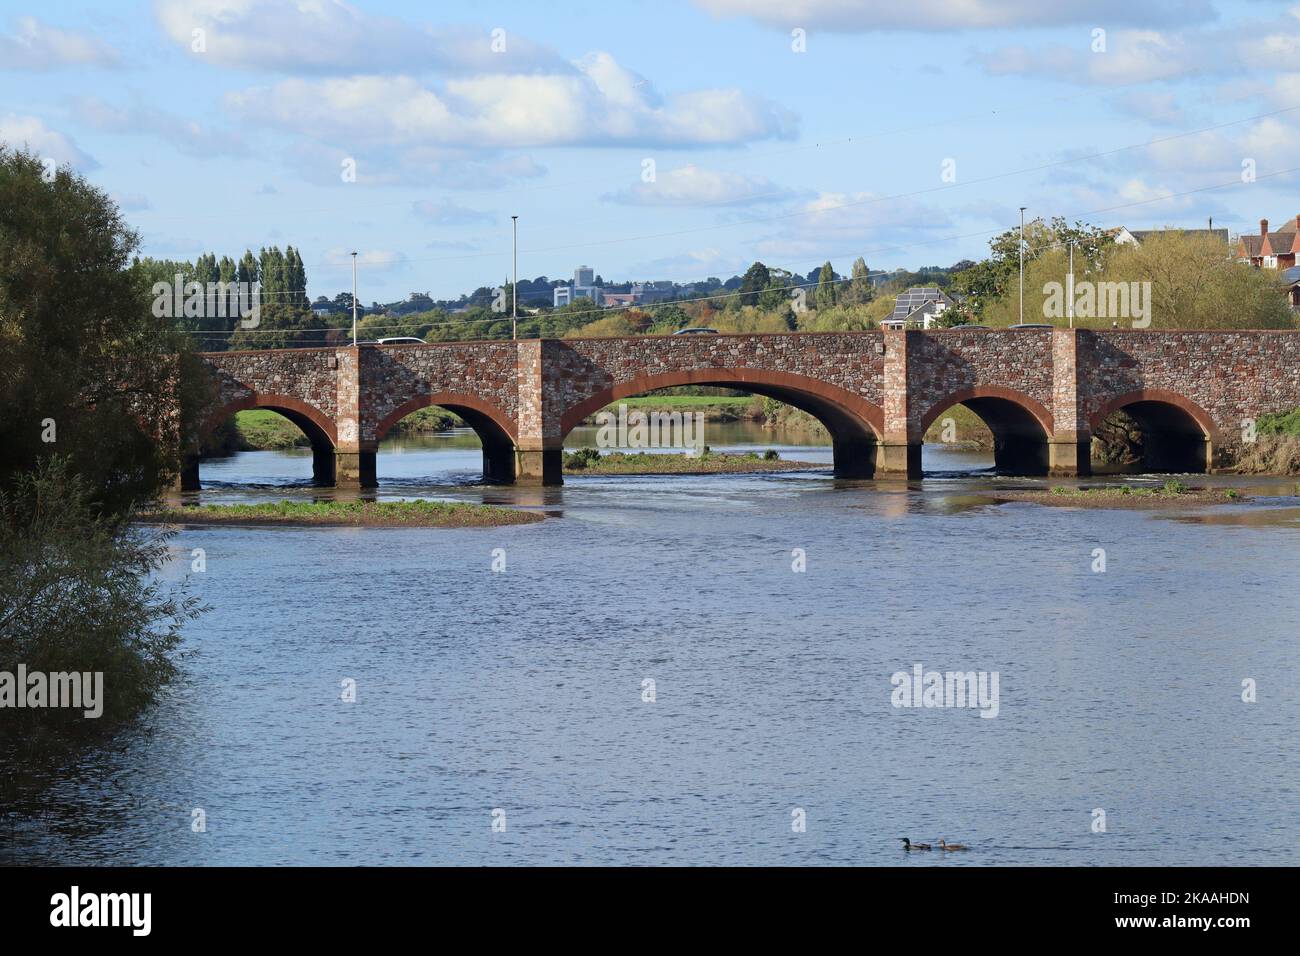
x=908 y=133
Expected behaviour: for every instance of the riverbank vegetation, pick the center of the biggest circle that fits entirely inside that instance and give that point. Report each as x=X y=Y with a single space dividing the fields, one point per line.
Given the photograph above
x=89 y=391
x=1276 y=448
x=370 y=514
x=1171 y=493
x=590 y=461
x=260 y=429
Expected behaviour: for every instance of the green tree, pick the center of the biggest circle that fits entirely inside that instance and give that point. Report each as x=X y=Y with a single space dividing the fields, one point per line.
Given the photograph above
x=826 y=287
x=97 y=385
x=78 y=592
x=756 y=279
x=991 y=279
x=89 y=363
x=859 y=290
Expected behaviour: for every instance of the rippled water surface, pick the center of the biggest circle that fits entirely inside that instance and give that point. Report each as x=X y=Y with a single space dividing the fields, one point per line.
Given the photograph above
x=522 y=691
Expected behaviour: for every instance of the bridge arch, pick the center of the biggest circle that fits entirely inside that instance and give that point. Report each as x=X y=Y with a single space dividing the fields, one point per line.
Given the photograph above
x=494 y=428
x=855 y=424
x=1022 y=426
x=1178 y=435
x=319 y=428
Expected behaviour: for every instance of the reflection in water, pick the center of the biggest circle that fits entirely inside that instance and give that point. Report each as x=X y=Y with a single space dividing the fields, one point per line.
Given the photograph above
x=522 y=690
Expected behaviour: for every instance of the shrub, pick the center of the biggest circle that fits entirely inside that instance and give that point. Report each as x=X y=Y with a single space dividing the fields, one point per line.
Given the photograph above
x=580 y=459
x=79 y=592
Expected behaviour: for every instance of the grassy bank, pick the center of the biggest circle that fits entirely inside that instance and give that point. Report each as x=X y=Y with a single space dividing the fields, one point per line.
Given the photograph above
x=1171 y=493
x=404 y=514
x=1276 y=449
x=260 y=429
x=427 y=420
x=967 y=429
x=715 y=408
x=588 y=461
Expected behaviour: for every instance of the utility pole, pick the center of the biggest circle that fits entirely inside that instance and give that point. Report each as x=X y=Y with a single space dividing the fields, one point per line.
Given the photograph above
x=354 y=300
x=1022 y=265
x=514 y=284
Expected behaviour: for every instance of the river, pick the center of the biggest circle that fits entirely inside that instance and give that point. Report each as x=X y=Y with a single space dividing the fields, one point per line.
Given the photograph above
x=520 y=696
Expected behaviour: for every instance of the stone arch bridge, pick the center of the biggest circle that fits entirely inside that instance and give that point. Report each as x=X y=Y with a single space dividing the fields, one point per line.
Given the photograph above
x=1042 y=392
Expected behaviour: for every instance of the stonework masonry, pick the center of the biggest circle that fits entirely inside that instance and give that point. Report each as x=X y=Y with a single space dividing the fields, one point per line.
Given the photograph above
x=1041 y=391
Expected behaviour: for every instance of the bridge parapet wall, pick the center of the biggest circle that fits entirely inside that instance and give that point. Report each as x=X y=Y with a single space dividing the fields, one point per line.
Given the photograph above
x=400 y=376
x=309 y=375
x=948 y=363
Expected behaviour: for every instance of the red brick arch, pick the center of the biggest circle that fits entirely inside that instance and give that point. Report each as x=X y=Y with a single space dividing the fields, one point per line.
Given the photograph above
x=1033 y=407
x=1164 y=396
x=275 y=402
x=870 y=417
x=477 y=408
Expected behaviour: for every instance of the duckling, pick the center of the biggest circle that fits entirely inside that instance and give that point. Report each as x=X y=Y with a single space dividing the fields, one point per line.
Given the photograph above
x=909 y=845
x=952 y=846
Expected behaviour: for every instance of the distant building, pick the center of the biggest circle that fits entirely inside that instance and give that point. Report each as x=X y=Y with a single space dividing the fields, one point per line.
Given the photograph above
x=918 y=308
x=1291 y=285
x=1271 y=250
x=653 y=291
x=1135 y=237
x=582 y=287
x=615 y=299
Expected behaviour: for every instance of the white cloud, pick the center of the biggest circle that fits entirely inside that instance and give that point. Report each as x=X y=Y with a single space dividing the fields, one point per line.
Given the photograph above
x=187 y=135
x=834 y=222
x=855 y=213
x=36 y=46
x=377 y=165
x=696 y=186
x=444 y=212
x=328 y=36
x=856 y=16
x=694 y=264
x=1160 y=109
x=30 y=132
x=1253 y=48
x=599 y=105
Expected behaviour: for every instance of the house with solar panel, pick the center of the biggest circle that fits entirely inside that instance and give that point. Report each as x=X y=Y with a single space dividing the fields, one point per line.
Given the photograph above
x=918 y=308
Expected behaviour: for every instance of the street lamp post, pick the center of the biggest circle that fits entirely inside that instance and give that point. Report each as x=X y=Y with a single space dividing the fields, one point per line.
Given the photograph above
x=1022 y=265
x=354 y=300
x=1069 y=286
x=514 y=283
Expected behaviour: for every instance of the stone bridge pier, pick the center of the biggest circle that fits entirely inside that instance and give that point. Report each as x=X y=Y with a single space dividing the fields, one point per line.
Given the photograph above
x=1042 y=392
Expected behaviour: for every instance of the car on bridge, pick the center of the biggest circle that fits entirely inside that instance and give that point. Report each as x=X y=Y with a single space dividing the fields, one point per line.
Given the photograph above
x=696 y=330
x=401 y=340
